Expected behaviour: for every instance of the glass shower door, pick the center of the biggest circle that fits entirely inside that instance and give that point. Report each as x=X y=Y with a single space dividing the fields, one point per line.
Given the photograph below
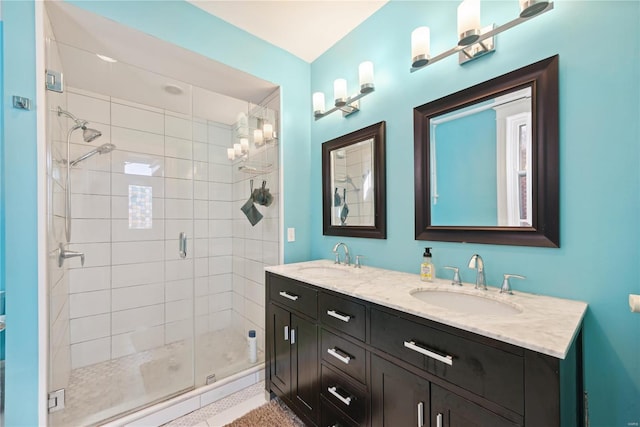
x=121 y=322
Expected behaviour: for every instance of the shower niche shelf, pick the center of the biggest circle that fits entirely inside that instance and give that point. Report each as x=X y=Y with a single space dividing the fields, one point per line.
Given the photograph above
x=256 y=168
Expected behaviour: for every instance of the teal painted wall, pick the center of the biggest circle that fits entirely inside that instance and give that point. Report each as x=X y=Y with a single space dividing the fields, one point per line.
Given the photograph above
x=19 y=211
x=599 y=164
x=2 y=284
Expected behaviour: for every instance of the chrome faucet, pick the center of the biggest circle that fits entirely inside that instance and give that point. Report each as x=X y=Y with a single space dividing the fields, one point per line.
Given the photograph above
x=477 y=263
x=65 y=253
x=347 y=259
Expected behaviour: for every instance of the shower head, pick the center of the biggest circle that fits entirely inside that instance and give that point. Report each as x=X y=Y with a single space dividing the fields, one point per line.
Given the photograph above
x=103 y=149
x=89 y=134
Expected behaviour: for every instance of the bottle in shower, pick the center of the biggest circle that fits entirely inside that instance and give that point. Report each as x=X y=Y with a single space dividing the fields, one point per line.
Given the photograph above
x=253 y=347
x=427 y=269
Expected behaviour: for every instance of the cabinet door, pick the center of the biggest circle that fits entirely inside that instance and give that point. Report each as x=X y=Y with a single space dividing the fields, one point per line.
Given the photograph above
x=304 y=366
x=280 y=331
x=450 y=410
x=399 y=398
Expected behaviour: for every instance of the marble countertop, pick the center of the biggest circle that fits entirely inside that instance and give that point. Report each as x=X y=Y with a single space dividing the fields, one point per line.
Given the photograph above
x=544 y=324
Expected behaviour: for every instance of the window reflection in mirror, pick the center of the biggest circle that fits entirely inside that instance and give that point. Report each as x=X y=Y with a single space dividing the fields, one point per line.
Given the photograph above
x=487 y=146
x=352 y=177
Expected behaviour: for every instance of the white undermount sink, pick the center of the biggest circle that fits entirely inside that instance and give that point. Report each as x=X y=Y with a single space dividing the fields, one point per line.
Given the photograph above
x=466 y=303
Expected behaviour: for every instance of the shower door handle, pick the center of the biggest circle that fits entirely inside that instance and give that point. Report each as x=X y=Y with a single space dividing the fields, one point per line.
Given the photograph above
x=182 y=245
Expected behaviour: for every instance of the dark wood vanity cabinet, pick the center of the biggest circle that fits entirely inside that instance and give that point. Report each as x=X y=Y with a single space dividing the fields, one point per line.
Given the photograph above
x=354 y=363
x=292 y=348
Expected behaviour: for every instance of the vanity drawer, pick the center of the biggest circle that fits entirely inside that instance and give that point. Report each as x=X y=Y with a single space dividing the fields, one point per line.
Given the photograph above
x=331 y=417
x=345 y=395
x=342 y=314
x=293 y=294
x=487 y=371
x=344 y=355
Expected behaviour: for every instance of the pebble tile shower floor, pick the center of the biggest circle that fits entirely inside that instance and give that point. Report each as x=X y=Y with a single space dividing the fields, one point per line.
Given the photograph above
x=105 y=389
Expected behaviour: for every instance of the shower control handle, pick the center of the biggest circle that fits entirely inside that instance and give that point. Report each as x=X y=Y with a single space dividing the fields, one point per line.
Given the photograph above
x=65 y=253
x=182 y=244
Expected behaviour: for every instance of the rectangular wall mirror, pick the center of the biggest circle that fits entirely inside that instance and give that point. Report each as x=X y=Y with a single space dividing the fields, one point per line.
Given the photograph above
x=486 y=161
x=353 y=184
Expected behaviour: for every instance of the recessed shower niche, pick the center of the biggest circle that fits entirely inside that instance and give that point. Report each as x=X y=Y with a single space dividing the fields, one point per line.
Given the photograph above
x=172 y=279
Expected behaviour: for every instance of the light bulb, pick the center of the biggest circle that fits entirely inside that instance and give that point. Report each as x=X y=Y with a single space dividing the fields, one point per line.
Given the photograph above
x=258 y=137
x=267 y=130
x=318 y=103
x=365 y=73
x=237 y=149
x=340 y=92
x=420 y=47
x=244 y=145
x=231 y=153
x=468 y=22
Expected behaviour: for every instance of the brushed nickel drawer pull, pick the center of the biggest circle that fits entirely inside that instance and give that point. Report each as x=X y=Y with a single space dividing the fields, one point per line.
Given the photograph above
x=420 y=414
x=288 y=295
x=439 y=420
x=346 y=400
x=345 y=318
x=429 y=353
x=334 y=353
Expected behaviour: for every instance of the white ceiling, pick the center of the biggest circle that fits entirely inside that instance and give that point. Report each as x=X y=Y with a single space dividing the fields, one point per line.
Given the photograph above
x=305 y=28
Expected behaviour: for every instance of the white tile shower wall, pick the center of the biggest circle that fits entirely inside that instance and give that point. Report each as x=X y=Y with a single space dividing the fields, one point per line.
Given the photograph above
x=254 y=247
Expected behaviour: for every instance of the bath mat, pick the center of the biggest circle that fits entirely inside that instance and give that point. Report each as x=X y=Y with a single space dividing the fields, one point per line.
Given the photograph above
x=272 y=414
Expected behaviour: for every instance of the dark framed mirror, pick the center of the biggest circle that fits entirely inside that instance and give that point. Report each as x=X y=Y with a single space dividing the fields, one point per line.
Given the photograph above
x=354 y=184
x=486 y=161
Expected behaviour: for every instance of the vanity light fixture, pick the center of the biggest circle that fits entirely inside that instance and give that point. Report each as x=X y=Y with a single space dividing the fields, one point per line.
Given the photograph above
x=263 y=134
x=474 y=41
x=347 y=104
x=239 y=150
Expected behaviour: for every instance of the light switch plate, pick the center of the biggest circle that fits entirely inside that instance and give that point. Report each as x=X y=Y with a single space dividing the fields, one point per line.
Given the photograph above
x=291 y=234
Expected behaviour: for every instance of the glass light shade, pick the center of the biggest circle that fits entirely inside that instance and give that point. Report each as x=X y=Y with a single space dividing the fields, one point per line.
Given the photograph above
x=529 y=8
x=244 y=145
x=267 y=130
x=237 y=149
x=468 y=22
x=318 y=103
x=231 y=153
x=420 y=46
x=258 y=137
x=340 y=92
x=365 y=74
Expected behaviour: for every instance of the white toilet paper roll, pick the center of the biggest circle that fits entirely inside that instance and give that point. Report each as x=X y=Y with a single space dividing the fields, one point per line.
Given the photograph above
x=634 y=303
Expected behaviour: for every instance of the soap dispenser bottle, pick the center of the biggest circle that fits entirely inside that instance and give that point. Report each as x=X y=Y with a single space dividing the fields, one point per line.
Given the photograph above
x=427 y=269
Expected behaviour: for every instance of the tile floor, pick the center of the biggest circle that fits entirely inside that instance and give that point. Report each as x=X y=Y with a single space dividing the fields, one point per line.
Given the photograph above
x=99 y=391
x=224 y=410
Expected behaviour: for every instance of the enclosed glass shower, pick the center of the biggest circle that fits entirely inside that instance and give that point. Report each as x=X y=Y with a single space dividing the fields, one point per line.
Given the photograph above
x=155 y=274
